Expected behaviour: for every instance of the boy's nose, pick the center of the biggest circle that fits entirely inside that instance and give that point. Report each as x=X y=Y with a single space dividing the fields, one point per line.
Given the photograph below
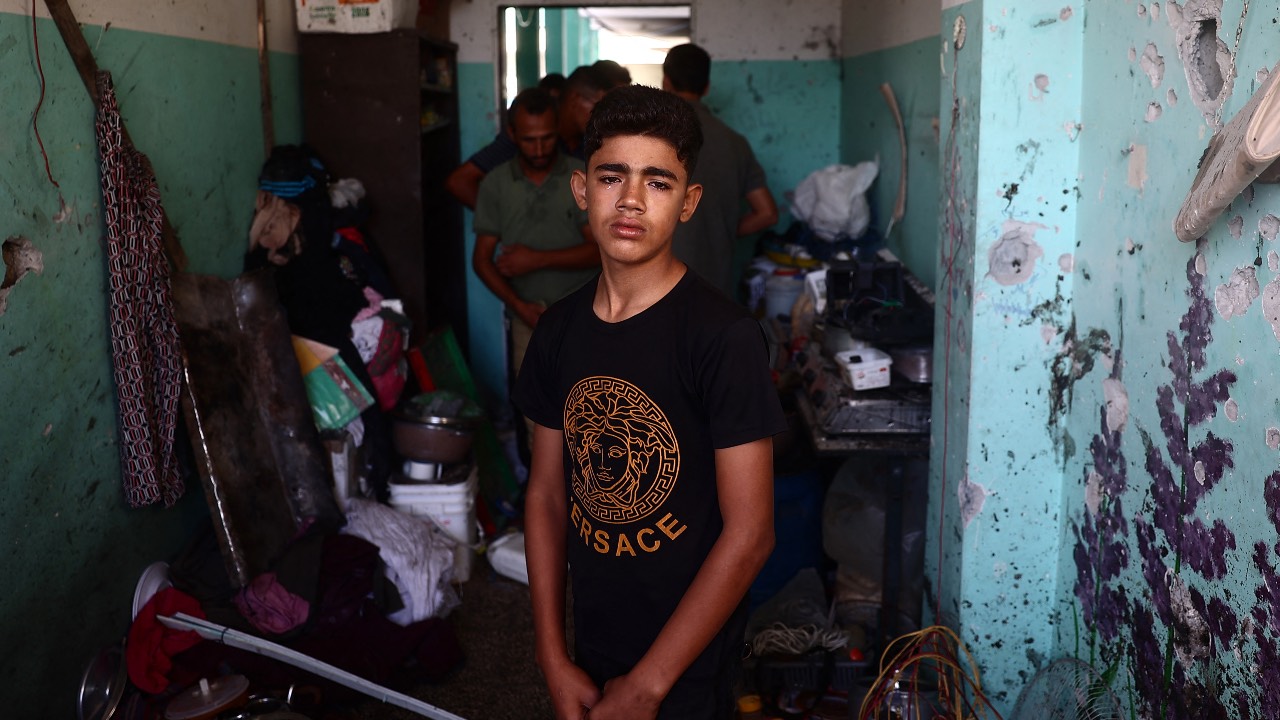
x=631 y=198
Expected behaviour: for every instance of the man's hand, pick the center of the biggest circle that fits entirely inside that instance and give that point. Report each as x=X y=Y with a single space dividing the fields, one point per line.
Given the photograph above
x=516 y=259
x=572 y=692
x=626 y=699
x=528 y=312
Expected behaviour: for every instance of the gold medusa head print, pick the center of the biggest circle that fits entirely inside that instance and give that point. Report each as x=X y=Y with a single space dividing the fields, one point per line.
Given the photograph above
x=624 y=452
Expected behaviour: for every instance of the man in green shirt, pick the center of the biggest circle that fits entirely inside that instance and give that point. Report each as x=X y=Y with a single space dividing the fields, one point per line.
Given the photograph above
x=533 y=244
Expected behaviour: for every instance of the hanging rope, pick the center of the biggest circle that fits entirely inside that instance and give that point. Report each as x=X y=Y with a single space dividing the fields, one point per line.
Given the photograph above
x=35 y=116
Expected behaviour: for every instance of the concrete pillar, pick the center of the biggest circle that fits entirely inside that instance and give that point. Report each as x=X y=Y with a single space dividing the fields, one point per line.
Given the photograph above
x=1010 y=105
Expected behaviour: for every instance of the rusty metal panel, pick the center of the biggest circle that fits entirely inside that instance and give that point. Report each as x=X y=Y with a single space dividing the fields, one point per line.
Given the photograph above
x=258 y=453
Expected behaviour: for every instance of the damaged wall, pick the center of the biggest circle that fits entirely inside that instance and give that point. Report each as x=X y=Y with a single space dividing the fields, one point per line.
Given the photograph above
x=1170 y=559
x=1011 y=97
x=781 y=90
x=895 y=42
x=187 y=80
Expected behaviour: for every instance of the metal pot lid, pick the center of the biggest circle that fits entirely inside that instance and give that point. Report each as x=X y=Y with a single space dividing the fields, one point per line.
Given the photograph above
x=102 y=685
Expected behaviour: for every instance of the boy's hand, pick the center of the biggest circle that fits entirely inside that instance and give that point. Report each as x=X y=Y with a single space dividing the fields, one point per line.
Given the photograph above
x=626 y=699
x=572 y=692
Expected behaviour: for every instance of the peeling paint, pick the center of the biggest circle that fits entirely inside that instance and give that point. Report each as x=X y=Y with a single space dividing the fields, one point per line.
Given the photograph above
x=1048 y=333
x=1137 y=177
x=1013 y=257
x=1117 y=401
x=1271 y=305
x=1262 y=75
x=1231 y=409
x=1268 y=226
x=1193 y=631
x=1171 y=97
x=1235 y=226
x=1066 y=262
x=1042 y=82
x=1233 y=297
x=1142 y=10
x=1197 y=471
x=1153 y=64
x=1153 y=112
x=1155 y=11
x=1273 y=437
x=972 y=497
x=1273 y=261
x=1133 y=53
x=1093 y=492
x=1066 y=13
x=1201 y=265
x=20 y=257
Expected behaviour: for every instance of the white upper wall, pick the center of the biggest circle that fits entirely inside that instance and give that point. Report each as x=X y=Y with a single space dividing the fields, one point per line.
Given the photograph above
x=871 y=25
x=230 y=22
x=727 y=29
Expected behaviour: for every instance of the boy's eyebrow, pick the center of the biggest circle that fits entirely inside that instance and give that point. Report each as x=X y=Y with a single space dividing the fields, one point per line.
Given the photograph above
x=652 y=170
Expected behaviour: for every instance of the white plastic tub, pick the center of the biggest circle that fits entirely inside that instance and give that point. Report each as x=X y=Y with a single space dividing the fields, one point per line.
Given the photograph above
x=865 y=368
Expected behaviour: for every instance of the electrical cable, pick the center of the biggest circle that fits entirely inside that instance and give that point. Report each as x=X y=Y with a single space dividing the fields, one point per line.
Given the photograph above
x=921 y=663
x=779 y=638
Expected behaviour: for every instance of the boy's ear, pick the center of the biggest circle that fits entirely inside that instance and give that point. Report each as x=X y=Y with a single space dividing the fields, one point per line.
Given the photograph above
x=578 y=183
x=692 y=194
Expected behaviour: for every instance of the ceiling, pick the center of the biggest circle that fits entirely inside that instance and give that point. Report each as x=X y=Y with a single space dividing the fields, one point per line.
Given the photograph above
x=657 y=21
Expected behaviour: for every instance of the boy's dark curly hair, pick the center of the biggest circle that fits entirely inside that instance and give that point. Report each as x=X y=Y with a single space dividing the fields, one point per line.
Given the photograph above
x=639 y=110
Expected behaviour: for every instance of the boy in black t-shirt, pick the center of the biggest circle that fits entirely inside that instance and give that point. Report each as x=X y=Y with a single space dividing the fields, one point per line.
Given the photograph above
x=652 y=473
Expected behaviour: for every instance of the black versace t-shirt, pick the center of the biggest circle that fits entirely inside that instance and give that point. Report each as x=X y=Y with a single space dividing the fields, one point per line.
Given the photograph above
x=643 y=405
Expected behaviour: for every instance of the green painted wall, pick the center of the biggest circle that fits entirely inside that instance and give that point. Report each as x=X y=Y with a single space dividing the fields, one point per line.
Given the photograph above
x=868 y=131
x=73 y=551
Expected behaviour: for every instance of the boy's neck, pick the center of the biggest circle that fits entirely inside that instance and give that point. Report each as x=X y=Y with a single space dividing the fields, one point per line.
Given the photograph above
x=625 y=291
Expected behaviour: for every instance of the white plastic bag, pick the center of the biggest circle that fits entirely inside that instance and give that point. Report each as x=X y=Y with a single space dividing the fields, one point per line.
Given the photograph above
x=832 y=201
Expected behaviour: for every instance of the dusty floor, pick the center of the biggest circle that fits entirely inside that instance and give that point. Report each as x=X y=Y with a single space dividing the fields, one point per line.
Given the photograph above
x=498 y=680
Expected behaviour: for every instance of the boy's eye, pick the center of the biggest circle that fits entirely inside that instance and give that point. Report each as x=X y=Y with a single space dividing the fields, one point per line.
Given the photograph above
x=659 y=185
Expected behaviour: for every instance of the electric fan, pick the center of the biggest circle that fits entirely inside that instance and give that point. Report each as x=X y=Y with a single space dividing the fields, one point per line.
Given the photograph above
x=1067 y=689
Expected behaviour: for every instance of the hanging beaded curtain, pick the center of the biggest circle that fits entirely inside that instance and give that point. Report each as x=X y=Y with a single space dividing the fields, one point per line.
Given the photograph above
x=144 y=337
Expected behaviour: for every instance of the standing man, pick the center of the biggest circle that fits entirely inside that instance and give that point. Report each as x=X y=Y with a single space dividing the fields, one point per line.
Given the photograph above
x=582 y=89
x=728 y=172
x=533 y=245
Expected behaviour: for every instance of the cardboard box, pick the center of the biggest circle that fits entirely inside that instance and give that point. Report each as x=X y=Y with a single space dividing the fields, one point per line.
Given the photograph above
x=355 y=16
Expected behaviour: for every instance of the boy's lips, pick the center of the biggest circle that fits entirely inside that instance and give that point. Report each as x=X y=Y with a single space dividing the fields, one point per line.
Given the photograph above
x=627 y=228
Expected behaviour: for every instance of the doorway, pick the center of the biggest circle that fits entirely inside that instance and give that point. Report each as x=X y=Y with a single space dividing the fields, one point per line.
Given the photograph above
x=537 y=40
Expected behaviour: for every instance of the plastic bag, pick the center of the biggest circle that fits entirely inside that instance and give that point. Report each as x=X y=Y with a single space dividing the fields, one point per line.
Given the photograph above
x=832 y=201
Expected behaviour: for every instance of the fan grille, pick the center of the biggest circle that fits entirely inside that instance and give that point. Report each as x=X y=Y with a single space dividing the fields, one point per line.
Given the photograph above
x=1067 y=689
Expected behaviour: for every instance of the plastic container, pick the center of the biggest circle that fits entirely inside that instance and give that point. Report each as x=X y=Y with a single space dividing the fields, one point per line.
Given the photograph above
x=750 y=708
x=865 y=368
x=452 y=507
x=781 y=291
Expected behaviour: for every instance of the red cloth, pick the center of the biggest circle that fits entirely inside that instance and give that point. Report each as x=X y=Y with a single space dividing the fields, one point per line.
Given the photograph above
x=151 y=646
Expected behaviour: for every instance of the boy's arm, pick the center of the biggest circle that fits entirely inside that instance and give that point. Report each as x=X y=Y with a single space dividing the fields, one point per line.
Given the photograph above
x=744 y=480
x=483 y=263
x=546 y=516
x=517 y=259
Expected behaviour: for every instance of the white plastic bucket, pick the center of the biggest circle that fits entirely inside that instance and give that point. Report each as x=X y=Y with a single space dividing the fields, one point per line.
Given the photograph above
x=780 y=294
x=451 y=507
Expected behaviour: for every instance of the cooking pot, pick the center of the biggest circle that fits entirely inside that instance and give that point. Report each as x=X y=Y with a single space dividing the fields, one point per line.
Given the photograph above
x=435 y=427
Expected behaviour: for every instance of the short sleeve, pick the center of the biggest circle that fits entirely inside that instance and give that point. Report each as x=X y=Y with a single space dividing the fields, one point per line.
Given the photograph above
x=535 y=384
x=488 y=219
x=740 y=397
x=502 y=149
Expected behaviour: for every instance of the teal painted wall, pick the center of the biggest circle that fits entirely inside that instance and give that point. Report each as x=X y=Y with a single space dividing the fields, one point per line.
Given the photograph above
x=73 y=551
x=1169 y=557
x=868 y=131
x=788 y=110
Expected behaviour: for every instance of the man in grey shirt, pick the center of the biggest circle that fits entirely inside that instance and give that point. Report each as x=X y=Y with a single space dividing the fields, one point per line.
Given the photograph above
x=728 y=172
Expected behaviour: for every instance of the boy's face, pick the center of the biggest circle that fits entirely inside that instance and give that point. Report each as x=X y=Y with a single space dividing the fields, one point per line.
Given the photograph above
x=635 y=191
